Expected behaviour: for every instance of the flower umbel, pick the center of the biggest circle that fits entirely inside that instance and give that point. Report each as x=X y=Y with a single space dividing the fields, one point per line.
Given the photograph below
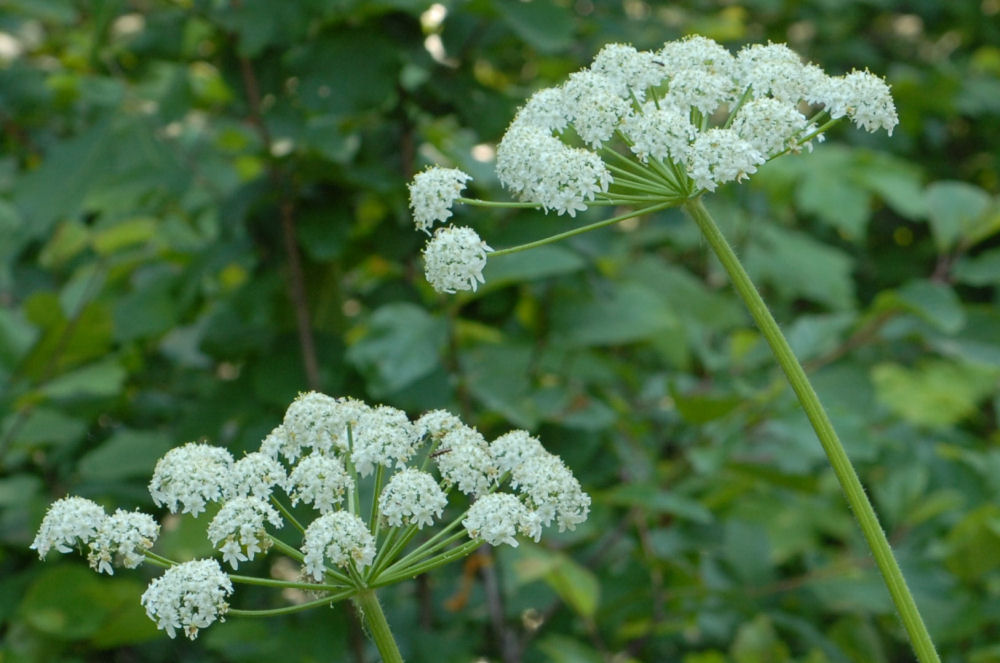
x=359 y=482
x=647 y=130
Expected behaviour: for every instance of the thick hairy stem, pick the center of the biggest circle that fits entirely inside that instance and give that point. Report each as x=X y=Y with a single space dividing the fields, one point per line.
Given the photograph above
x=378 y=627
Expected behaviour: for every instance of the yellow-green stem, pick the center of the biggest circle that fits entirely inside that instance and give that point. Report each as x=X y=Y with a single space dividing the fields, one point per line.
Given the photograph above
x=849 y=482
x=378 y=627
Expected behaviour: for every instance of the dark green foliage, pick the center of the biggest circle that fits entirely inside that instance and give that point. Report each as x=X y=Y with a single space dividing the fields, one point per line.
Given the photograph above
x=159 y=159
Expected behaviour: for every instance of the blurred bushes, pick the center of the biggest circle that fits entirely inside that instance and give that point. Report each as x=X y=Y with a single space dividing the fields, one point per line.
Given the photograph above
x=203 y=211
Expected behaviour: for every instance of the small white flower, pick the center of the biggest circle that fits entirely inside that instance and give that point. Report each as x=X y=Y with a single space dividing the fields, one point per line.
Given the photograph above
x=122 y=537
x=777 y=71
x=436 y=423
x=320 y=422
x=718 y=156
x=552 y=490
x=189 y=596
x=256 y=474
x=68 y=522
x=433 y=192
x=464 y=461
x=190 y=476
x=340 y=538
x=629 y=72
x=239 y=526
x=454 y=259
x=411 y=497
x=769 y=125
x=498 y=518
x=695 y=88
x=384 y=436
x=594 y=108
x=319 y=480
x=540 y=168
x=546 y=110
x=275 y=442
x=698 y=53
x=664 y=133
x=515 y=448
x=863 y=97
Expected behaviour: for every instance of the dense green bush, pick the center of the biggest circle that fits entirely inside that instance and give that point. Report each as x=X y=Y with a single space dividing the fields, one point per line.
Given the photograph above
x=203 y=212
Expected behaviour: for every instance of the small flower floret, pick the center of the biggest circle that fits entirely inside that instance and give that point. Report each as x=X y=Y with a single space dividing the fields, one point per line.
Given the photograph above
x=412 y=497
x=189 y=596
x=339 y=537
x=69 y=522
x=433 y=192
x=454 y=259
x=122 y=539
x=190 y=476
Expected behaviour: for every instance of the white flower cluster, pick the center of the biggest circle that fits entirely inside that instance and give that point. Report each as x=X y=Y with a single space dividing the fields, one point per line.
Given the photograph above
x=188 y=596
x=119 y=539
x=454 y=259
x=432 y=194
x=325 y=449
x=694 y=115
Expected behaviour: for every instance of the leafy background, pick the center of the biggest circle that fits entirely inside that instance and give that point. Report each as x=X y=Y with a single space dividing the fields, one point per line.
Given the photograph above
x=203 y=212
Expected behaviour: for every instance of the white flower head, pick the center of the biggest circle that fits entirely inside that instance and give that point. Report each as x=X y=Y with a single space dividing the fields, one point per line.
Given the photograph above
x=411 y=497
x=385 y=437
x=319 y=422
x=122 y=539
x=595 y=108
x=237 y=531
x=498 y=518
x=256 y=474
x=513 y=449
x=546 y=110
x=629 y=72
x=465 y=462
x=339 y=537
x=190 y=476
x=189 y=596
x=769 y=125
x=69 y=522
x=319 y=480
x=694 y=88
x=777 y=71
x=454 y=259
x=274 y=442
x=552 y=490
x=536 y=166
x=718 y=156
x=436 y=423
x=663 y=133
x=698 y=53
x=433 y=192
x=863 y=97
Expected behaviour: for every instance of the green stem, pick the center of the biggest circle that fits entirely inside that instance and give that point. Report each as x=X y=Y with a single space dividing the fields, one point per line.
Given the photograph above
x=583 y=229
x=378 y=627
x=849 y=482
x=291 y=609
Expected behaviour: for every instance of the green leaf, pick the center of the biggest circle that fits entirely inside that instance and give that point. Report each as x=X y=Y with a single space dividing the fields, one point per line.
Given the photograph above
x=796 y=265
x=539 y=263
x=981 y=270
x=400 y=344
x=652 y=498
x=935 y=302
x=757 y=642
x=837 y=202
x=575 y=584
x=45 y=426
x=127 y=453
x=935 y=393
x=973 y=544
x=541 y=23
x=622 y=313
x=100 y=379
x=498 y=376
x=66 y=602
x=124 y=234
x=562 y=649
x=57 y=187
x=700 y=409
x=954 y=210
